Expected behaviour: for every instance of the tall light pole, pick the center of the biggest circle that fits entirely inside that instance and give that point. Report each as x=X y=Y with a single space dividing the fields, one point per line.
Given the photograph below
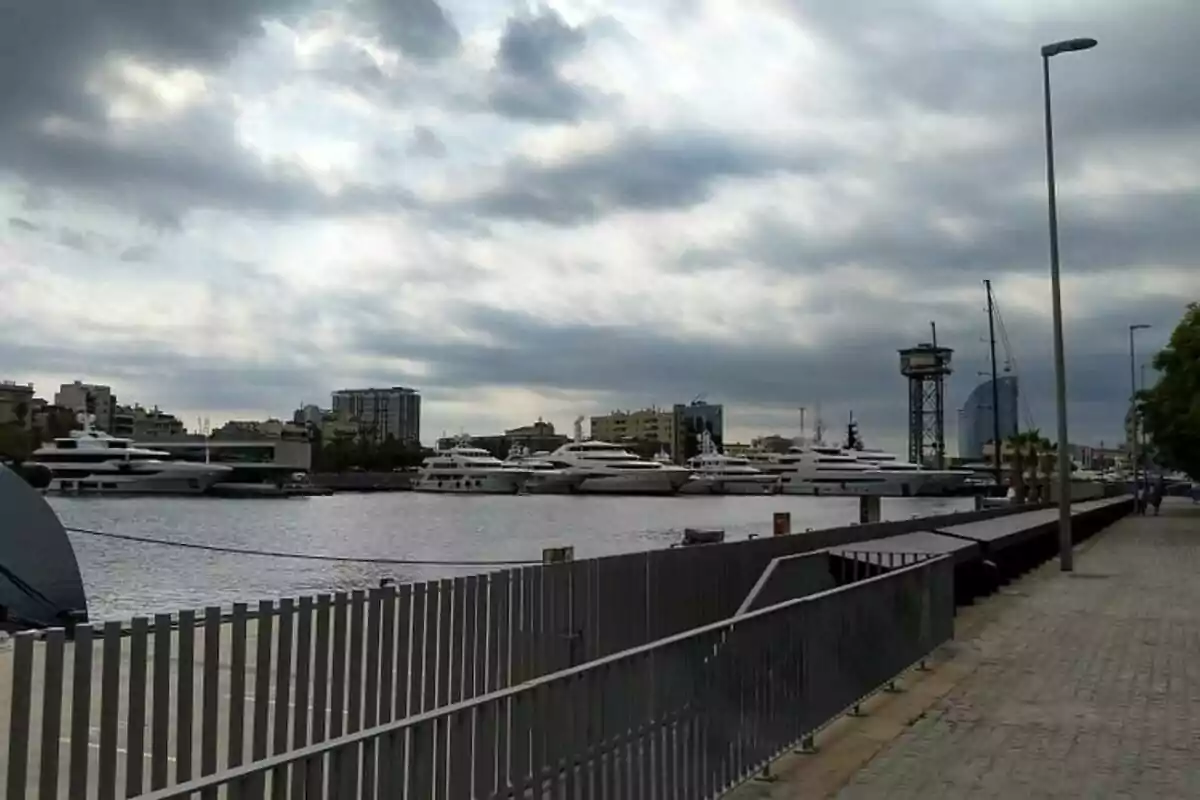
x=1133 y=416
x=1066 y=556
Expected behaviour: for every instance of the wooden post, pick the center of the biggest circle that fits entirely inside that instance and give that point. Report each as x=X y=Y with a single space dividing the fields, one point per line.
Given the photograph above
x=558 y=555
x=782 y=523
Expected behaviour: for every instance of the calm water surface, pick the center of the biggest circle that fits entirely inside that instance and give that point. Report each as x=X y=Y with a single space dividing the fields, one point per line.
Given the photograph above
x=127 y=578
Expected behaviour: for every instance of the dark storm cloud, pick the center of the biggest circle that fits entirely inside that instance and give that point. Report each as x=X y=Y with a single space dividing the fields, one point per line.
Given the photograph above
x=51 y=53
x=421 y=29
x=527 y=83
x=645 y=171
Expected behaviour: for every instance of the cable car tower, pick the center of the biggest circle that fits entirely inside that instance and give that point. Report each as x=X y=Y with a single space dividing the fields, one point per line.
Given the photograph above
x=926 y=367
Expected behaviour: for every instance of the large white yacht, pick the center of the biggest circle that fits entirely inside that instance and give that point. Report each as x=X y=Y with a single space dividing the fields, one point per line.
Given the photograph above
x=818 y=469
x=923 y=481
x=713 y=472
x=466 y=469
x=544 y=477
x=90 y=461
x=611 y=469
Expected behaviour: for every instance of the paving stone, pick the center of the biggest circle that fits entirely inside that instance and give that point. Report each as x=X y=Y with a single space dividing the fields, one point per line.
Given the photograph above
x=1088 y=684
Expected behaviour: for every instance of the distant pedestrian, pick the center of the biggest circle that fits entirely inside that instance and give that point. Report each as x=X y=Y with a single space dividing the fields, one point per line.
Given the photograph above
x=1195 y=493
x=1139 y=499
x=1156 y=493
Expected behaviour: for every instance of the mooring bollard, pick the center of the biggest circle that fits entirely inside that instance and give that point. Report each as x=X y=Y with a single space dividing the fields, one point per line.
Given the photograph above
x=782 y=523
x=558 y=555
x=808 y=747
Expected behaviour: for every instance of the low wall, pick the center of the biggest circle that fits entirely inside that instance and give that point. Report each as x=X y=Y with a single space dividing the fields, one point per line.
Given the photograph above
x=362 y=481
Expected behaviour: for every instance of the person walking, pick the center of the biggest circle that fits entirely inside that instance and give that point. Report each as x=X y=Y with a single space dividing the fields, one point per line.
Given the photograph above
x=1156 y=493
x=1139 y=499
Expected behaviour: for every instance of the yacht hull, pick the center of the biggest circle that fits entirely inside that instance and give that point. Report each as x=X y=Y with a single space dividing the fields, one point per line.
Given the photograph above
x=553 y=484
x=702 y=484
x=888 y=487
x=190 y=482
x=494 y=483
x=633 y=484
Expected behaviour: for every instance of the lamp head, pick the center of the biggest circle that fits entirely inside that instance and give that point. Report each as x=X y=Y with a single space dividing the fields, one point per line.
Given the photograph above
x=1067 y=46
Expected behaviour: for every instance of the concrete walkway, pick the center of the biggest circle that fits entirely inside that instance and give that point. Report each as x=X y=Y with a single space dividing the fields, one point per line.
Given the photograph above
x=1063 y=685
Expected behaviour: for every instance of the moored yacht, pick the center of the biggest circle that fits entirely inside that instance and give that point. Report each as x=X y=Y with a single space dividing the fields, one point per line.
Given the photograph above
x=716 y=473
x=465 y=469
x=543 y=476
x=922 y=481
x=611 y=469
x=823 y=470
x=90 y=461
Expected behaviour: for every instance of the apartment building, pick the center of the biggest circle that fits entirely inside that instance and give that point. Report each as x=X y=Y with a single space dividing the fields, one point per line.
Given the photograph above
x=394 y=411
x=16 y=403
x=91 y=398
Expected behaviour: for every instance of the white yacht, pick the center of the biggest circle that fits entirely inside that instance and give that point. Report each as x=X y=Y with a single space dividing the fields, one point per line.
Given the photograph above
x=824 y=470
x=925 y=482
x=544 y=477
x=716 y=473
x=611 y=469
x=465 y=469
x=90 y=461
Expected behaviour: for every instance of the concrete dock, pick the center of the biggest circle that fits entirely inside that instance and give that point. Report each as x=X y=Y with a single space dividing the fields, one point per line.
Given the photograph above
x=1079 y=684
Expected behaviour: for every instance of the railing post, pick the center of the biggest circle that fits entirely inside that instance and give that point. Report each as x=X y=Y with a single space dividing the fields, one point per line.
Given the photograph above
x=808 y=746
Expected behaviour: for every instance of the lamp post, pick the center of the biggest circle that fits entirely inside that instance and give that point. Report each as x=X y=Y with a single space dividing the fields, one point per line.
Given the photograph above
x=1133 y=416
x=1065 y=554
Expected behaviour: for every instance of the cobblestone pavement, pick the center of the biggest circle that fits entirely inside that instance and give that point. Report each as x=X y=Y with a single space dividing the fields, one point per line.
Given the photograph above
x=1087 y=685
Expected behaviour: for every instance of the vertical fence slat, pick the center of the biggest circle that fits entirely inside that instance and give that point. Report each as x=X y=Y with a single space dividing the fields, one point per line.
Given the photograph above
x=81 y=711
x=416 y=686
x=135 y=726
x=19 y=711
x=237 y=685
x=110 y=710
x=470 y=655
x=300 y=716
x=160 y=706
x=337 y=684
x=185 y=696
x=403 y=646
x=434 y=598
x=315 y=767
x=52 y=695
x=283 y=694
x=263 y=633
x=417 y=642
x=358 y=601
x=457 y=648
x=210 y=695
x=371 y=691
x=445 y=660
x=387 y=650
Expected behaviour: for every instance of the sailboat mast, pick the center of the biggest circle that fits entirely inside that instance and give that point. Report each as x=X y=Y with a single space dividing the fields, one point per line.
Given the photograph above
x=997 y=446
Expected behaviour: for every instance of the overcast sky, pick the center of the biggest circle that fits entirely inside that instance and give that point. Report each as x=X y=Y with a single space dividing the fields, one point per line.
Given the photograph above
x=232 y=207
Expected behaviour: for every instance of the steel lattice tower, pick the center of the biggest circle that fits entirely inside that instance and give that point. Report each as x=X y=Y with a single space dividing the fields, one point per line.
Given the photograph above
x=926 y=367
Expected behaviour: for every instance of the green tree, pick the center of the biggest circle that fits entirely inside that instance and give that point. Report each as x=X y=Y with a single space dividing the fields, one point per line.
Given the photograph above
x=1171 y=408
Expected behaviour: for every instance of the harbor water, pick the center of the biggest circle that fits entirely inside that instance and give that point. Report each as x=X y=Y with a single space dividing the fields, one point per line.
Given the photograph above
x=126 y=578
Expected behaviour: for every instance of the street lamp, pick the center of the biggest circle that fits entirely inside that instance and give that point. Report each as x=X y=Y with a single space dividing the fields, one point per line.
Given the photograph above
x=1133 y=416
x=1065 y=554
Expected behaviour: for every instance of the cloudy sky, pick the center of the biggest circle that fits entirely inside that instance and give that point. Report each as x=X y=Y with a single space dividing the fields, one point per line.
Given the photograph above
x=231 y=207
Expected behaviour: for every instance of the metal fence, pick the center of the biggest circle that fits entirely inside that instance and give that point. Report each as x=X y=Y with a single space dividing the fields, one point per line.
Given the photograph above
x=686 y=717
x=119 y=708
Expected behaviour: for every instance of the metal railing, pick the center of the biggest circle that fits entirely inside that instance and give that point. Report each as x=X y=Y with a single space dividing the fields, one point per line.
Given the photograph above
x=686 y=717
x=125 y=707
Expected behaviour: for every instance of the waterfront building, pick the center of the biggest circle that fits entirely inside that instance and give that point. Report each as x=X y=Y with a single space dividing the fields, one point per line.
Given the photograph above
x=535 y=438
x=647 y=425
x=16 y=403
x=251 y=430
x=136 y=422
x=692 y=420
x=381 y=413
x=91 y=398
x=975 y=419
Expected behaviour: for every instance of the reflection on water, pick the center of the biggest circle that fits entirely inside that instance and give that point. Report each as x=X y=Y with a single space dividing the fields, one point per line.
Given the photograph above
x=126 y=578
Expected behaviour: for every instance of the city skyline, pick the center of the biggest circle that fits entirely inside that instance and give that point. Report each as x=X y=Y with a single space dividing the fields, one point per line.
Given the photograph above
x=231 y=209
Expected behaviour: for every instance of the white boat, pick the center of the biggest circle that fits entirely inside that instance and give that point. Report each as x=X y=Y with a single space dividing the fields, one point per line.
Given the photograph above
x=544 y=477
x=716 y=473
x=825 y=470
x=611 y=469
x=464 y=469
x=925 y=482
x=90 y=461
